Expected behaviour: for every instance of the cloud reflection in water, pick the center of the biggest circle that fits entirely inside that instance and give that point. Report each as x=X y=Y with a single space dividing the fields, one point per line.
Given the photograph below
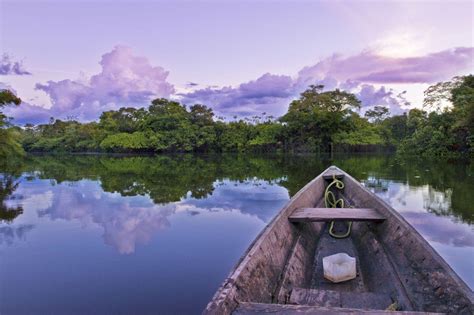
x=133 y=220
x=8 y=234
x=429 y=211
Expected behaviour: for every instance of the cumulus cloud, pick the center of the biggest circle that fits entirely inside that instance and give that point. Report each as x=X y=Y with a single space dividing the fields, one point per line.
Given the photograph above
x=269 y=93
x=25 y=113
x=365 y=74
x=272 y=94
x=370 y=67
x=425 y=69
x=371 y=96
x=128 y=80
x=28 y=113
x=125 y=80
x=10 y=67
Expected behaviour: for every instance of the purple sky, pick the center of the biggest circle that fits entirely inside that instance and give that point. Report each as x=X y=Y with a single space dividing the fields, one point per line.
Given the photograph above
x=79 y=58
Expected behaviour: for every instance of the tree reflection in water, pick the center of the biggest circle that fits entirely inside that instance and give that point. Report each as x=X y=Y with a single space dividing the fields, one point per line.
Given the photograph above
x=8 y=185
x=170 y=178
x=9 y=232
x=166 y=181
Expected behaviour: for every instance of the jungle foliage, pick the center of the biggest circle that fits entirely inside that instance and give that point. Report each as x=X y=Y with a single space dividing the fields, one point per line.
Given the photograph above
x=9 y=145
x=318 y=121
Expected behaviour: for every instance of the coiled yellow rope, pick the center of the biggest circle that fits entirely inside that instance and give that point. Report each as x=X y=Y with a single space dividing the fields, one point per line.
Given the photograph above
x=330 y=201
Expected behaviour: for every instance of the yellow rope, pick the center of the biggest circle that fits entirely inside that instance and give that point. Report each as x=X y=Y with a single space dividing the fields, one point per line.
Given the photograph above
x=331 y=202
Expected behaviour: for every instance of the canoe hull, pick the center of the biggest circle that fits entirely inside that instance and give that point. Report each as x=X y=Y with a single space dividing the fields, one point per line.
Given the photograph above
x=393 y=259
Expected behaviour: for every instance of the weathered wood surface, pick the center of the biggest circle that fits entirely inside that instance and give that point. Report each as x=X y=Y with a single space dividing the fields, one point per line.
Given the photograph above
x=380 y=274
x=327 y=246
x=392 y=258
x=332 y=298
x=332 y=172
x=279 y=309
x=335 y=214
x=297 y=271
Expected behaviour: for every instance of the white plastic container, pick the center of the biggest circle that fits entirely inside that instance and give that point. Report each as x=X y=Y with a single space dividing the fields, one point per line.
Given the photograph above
x=339 y=267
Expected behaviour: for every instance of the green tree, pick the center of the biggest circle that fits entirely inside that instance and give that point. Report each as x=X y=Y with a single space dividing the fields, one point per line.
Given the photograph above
x=165 y=115
x=128 y=142
x=417 y=118
x=235 y=136
x=126 y=119
x=7 y=97
x=462 y=98
x=314 y=119
x=268 y=136
x=447 y=130
x=362 y=132
x=394 y=129
x=9 y=145
x=377 y=114
x=456 y=95
x=201 y=115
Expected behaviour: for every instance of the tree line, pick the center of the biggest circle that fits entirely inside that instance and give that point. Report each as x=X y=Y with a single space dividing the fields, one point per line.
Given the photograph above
x=318 y=121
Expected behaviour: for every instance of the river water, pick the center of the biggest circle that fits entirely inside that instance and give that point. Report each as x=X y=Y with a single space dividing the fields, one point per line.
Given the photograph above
x=157 y=235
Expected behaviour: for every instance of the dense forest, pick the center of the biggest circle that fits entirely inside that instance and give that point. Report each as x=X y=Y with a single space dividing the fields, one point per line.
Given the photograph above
x=318 y=121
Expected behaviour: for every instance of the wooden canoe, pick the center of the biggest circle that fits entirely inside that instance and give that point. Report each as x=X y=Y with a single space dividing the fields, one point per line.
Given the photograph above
x=281 y=272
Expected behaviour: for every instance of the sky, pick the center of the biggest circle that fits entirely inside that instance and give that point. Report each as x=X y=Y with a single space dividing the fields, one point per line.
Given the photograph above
x=74 y=58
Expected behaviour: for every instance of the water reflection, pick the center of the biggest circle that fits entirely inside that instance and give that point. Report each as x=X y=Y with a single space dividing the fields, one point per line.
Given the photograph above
x=442 y=230
x=378 y=185
x=131 y=220
x=244 y=182
x=8 y=234
x=429 y=211
x=255 y=197
x=125 y=221
x=8 y=213
x=192 y=216
x=8 y=185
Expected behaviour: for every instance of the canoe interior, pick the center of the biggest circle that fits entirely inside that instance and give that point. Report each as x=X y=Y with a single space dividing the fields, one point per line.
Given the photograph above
x=394 y=263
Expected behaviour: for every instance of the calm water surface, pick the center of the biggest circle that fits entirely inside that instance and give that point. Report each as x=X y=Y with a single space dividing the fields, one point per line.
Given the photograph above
x=139 y=235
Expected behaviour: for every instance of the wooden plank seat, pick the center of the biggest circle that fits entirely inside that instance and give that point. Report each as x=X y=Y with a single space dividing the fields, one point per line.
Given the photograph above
x=348 y=299
x=246 y=308
x=335 y=214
